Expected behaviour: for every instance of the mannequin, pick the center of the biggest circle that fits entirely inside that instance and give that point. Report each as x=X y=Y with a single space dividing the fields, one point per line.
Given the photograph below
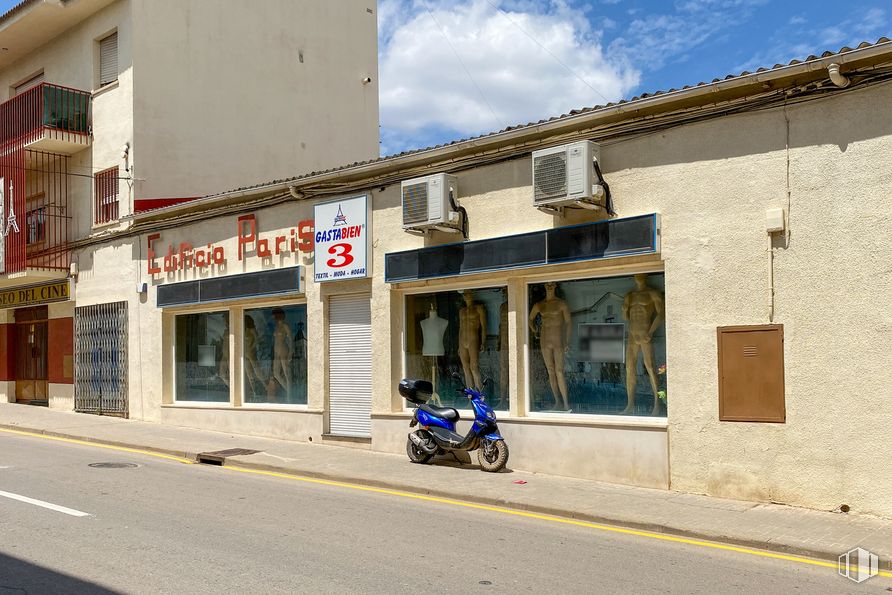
x=643 y=308
x=554 y=340
x=283 y=350
x=432 y=330
x=503 y=352
x=471 y=338
x=252 y=366
x=300 y=353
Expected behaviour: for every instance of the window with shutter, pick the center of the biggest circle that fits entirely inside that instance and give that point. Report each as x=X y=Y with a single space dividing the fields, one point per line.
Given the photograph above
x=31 y=82
x=106 y=207
x=108 y=59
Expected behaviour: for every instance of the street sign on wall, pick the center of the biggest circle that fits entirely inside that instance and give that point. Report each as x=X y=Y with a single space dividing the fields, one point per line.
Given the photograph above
x=342 y=239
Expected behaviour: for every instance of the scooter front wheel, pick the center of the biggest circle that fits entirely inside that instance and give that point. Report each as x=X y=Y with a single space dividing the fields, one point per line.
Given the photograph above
x=416 y=455
x=493 y=455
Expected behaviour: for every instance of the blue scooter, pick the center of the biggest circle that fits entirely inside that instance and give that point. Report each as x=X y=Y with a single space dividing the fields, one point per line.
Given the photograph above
x=437 y=432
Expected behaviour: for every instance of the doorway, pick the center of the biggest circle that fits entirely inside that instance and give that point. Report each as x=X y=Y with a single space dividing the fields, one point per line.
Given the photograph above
x=30 y=355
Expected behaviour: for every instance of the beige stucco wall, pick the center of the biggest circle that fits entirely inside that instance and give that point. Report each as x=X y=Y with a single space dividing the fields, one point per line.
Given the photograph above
x=711 y=182
x=249 y=92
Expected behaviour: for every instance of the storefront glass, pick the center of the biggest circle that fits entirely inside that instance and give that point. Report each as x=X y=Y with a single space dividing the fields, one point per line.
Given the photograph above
x=202 y=357
x=598 y=346
x=464 y=332
x=275 y=352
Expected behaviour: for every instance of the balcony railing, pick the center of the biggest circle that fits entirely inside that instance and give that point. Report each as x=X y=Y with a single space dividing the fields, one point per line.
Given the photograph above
x=62 y=113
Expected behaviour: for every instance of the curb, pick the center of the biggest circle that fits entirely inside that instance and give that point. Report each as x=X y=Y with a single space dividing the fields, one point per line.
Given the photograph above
x=658 y=528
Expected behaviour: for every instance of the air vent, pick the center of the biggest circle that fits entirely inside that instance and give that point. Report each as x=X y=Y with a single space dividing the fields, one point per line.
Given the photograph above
x=415 y=198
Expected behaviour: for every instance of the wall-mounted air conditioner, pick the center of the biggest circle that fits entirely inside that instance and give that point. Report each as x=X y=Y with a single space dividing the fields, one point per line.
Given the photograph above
x=567 y=176
x=431 y=202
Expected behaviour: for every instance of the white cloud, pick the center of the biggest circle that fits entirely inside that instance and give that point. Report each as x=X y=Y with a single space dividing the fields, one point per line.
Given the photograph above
x=423 y=85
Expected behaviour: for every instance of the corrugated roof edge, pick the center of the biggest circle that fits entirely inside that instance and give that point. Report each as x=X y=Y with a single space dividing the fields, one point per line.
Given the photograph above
x=15 y=9
x=573 y=113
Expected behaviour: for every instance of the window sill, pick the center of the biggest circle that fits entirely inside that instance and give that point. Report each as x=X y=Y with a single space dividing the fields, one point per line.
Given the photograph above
x=555 y=419
x=281 y=408
x=105 y=88
x=197 y=405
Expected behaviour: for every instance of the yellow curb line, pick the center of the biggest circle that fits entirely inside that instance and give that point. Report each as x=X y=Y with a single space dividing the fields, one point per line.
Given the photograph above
x=451 y=502
x=545 y=517
x=98 y=445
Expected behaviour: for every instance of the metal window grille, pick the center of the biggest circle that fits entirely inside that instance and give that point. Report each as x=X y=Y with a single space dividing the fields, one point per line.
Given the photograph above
x=100 y=351
x=106 y=195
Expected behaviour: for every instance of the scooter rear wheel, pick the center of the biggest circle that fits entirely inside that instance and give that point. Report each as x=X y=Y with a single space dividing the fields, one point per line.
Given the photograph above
x=493 y=456
x=416 y=455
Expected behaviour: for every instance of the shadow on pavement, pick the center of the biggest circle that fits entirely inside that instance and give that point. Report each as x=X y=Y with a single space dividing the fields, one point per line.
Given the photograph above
x=21 y=577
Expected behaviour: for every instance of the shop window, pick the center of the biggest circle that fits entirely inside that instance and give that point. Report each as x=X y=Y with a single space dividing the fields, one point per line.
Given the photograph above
x=598 y=346
x=202 y=357
x=275 y=355
x=106 y=208
x=459 y=331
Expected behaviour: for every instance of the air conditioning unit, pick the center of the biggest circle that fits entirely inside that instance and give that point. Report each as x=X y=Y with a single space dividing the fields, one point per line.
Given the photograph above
x=565 y=176
x=430 y=202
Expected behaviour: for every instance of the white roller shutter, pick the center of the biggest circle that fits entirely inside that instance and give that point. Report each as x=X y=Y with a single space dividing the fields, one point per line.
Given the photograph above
x=31 y=82
x=350 y=365
x=108 y=59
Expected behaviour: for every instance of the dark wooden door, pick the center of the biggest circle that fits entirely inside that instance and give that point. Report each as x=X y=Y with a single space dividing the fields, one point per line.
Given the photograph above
x=30 y=354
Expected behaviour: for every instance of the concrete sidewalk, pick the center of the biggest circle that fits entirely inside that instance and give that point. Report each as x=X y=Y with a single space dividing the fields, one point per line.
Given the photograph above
x=766 y=526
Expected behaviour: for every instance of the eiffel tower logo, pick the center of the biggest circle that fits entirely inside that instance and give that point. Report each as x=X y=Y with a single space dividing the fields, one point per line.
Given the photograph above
x=11 y=222
x=340 y=219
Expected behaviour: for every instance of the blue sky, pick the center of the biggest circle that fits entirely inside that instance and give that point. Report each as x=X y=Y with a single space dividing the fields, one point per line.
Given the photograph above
x=450 y=69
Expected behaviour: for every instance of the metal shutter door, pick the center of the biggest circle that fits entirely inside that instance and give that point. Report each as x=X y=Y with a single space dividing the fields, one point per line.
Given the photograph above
x=32 y=82
x=108 y=59
x=350 y=365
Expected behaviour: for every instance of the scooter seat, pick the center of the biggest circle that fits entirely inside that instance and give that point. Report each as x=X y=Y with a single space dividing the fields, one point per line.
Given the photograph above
x=447 y=413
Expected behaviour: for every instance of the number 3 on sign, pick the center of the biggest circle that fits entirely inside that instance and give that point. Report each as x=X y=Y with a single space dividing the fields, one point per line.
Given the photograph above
x=342 y=256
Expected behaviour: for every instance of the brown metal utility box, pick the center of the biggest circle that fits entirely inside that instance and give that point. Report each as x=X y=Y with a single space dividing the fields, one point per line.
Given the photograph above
x=751 y=373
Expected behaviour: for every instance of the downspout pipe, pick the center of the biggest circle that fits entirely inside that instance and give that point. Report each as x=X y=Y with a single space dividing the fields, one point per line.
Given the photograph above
x=838 y=79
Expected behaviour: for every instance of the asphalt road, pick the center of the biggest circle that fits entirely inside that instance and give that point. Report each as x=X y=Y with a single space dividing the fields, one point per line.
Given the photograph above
x=167 y=527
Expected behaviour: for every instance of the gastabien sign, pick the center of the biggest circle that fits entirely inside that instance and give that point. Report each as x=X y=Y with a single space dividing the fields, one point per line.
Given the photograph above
x=342 y=239
x=59 y=291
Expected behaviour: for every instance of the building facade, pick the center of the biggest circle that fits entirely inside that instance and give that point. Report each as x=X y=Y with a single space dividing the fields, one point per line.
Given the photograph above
x=111 y=107
x=714 y=320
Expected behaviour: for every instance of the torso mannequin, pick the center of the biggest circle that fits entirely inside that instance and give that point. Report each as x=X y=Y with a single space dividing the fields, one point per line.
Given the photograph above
x=432 y=329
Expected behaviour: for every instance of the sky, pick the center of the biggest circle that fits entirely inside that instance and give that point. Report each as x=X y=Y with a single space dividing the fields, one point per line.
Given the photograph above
x=450 y=69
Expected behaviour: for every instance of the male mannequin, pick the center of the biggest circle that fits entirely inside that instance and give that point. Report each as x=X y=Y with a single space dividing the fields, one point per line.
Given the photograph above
x=252 y=366
x=503 y=352
x=643 y=308
x=300 y=353
x=471 y=338
x=283 y=350
x=432 y=329
x=554 y=340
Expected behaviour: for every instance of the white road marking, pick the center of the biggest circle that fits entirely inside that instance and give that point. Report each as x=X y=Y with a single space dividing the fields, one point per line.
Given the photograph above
x=43 y=504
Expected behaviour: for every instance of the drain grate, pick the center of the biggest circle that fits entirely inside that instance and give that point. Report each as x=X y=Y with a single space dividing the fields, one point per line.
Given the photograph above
x=113 y=465
x=218 y=456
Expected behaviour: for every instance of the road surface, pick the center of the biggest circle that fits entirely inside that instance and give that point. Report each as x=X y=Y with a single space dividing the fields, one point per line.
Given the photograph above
x=169 y=527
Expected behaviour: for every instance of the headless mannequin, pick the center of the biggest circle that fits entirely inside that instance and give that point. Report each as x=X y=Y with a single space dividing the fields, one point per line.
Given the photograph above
x=554 y=340
x=283 y=350
x=432 y=329
x=300 y=351
x=471 y=337
x=643 y=308
x=503 y=352
x=252 y=366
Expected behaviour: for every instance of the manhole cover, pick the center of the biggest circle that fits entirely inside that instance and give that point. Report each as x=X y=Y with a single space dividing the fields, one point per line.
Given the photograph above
x=113 y=465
